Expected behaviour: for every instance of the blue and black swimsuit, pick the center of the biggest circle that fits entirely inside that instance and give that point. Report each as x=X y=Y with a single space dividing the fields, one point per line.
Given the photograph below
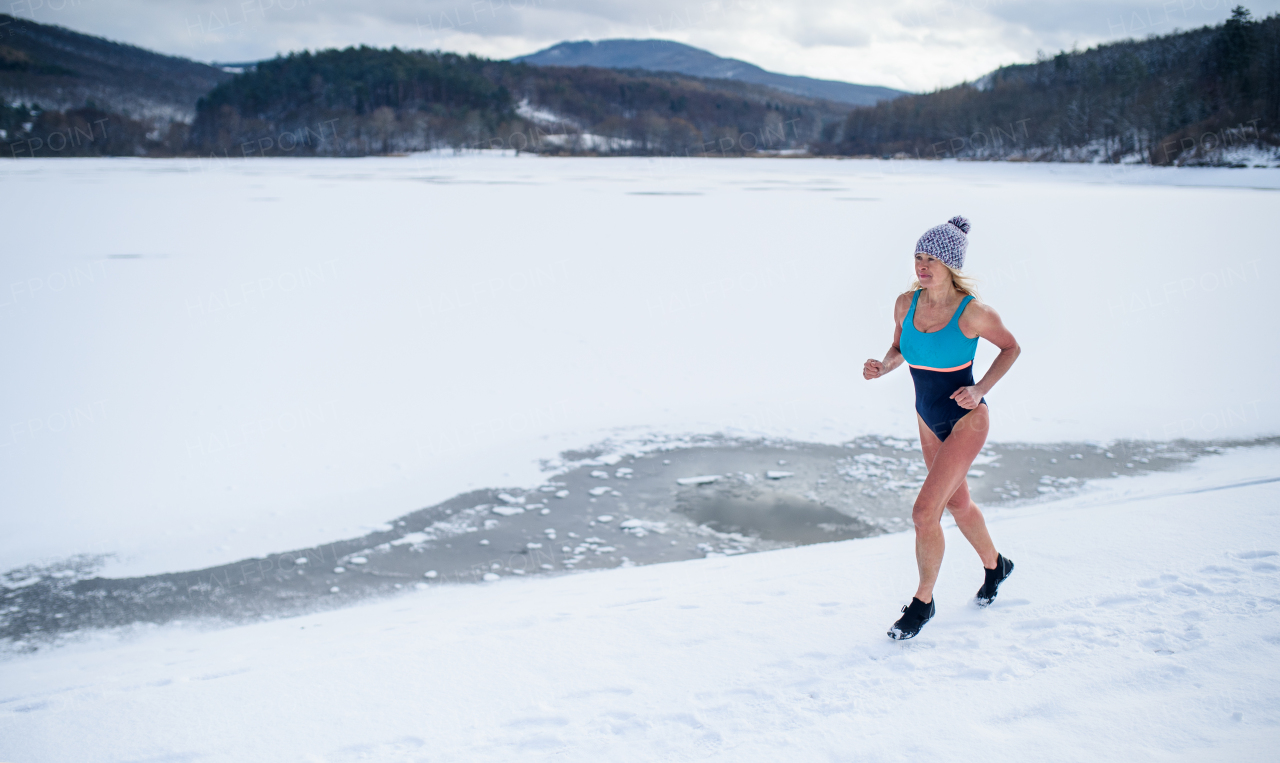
x=941 y=362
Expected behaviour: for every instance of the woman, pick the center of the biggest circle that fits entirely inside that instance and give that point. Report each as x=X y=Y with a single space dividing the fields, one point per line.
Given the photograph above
x=937 y=327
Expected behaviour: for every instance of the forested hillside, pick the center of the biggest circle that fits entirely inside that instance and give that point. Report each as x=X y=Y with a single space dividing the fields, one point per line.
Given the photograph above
x=1206 y=96
x=1180 y=98
x=63 y=93
x=365 y=100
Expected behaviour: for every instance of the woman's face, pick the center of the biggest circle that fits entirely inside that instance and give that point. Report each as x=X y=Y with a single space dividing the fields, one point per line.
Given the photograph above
x=931 y=270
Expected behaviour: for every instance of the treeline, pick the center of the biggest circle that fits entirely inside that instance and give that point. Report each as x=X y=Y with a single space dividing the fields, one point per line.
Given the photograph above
x=28 y=131
x=1182 y=98
x=364 y=100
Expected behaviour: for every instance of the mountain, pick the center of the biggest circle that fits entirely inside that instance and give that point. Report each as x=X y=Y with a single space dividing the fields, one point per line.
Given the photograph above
x=367 y=101
x=59 y=69
x=667 y=56
x=1205 y=96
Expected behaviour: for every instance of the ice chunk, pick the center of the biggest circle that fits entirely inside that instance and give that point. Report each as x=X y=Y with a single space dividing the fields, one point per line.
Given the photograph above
x=333 y=590
x=485 y=542
x=642 y=527
x=508 y=511
x=598 y=490
x=605 y=518
x=491 y=576
x=339 y=569
x=774 y=474
x=430 y=574
x=977 y=473
x=701 y=480
x=358 y=560
x=300 y=560
x=506 y=498
x=539 y=545
x=600 y=475
x=562 y=494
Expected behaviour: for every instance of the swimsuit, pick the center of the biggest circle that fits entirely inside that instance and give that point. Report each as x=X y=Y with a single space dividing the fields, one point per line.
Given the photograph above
x=941 y=363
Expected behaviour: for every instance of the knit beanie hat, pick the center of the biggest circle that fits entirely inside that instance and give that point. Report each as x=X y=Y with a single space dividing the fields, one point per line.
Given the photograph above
x=947 y=242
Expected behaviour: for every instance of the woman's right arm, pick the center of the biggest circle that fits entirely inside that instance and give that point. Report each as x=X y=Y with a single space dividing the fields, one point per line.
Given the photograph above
x=874 y=369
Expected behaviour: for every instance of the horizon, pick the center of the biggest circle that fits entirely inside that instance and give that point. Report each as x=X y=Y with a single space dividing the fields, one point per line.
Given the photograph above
x=912 y=48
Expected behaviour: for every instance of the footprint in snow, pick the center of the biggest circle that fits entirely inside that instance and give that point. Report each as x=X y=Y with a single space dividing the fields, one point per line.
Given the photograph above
x=1215 y=569
x=1256 y=554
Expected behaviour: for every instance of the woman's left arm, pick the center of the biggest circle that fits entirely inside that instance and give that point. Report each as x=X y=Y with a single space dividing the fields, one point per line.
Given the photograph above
x=986 y=323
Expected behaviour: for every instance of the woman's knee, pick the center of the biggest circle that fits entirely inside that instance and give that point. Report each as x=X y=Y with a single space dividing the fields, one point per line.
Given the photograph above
x=924 y=515
x=964 y=512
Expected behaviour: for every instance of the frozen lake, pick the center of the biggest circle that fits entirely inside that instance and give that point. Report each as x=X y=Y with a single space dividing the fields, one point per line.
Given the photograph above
x=209 y=361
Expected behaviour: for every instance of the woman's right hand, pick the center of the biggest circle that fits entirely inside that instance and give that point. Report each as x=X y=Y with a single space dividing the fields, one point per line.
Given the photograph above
x=872 y=369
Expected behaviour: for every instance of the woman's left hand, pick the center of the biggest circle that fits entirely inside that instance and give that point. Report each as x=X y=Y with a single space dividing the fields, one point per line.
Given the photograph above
x=967 y=397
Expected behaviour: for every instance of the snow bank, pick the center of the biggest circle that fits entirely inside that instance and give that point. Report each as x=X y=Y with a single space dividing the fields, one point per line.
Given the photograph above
x=1142 y=622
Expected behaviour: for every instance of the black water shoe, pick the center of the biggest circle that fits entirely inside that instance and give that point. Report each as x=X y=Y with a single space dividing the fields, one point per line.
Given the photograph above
x=987 y=593
x=916 y=614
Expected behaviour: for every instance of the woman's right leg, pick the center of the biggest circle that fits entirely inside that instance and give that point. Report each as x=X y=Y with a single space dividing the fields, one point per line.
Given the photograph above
x=963 y=510
x=948 y=464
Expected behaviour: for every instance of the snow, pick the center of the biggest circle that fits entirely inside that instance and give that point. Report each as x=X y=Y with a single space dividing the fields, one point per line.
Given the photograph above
x=1140 y=624
x=704 y=479
x=216 y=360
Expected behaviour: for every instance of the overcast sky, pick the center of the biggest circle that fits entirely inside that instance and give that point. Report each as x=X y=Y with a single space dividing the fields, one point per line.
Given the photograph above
x=908 y=44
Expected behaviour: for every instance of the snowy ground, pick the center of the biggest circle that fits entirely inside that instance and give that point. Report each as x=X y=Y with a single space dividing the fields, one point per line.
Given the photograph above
x=1142 y=623
x=207 y=361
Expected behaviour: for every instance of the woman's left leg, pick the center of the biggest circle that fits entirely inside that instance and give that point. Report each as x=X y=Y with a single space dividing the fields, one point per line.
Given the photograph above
x=946 y=476
x=969 y=519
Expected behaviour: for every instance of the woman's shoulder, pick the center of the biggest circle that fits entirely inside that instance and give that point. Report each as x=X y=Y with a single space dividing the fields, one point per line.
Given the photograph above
x=977 y=308
x=903 y=302
x=977 y=315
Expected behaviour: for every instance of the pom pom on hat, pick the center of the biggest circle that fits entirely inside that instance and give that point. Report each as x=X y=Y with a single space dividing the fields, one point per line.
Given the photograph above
x=960 y=222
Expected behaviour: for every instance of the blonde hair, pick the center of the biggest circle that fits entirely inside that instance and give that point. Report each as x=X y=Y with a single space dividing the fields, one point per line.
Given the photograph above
x=963 y=283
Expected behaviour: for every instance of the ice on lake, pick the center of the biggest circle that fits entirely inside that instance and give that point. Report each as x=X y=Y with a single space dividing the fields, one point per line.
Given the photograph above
x=295 y=350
